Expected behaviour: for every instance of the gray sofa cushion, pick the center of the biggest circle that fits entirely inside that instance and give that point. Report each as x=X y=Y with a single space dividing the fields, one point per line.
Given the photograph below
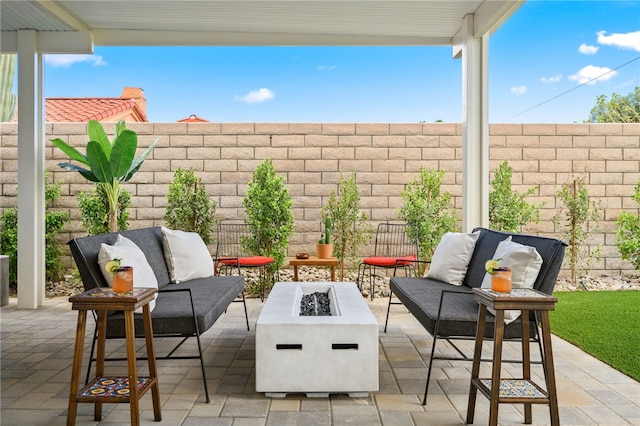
x=172 y=314
x=421 y=296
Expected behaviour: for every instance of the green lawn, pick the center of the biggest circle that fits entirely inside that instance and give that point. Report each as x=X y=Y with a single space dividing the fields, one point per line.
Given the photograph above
x=605 y=324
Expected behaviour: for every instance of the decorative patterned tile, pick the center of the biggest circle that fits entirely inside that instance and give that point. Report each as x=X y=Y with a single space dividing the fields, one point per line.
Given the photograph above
x=515 y=388
x=111 y=386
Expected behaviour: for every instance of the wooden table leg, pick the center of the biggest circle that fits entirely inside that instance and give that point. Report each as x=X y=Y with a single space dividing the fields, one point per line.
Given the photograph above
x=75 y=371
x=526 y=361
x=477 y=356
x=130 y=334
x=295 y=272
x=550 y=375
x=333 y=273
x=100 y=354
x=153 y=372
x=496 y=369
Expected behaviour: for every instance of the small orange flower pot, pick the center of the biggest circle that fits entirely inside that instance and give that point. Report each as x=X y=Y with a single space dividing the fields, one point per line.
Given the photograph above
x=324 y=250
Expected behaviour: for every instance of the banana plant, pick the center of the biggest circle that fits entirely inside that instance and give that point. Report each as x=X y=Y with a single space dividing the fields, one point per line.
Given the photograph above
x=107 y=163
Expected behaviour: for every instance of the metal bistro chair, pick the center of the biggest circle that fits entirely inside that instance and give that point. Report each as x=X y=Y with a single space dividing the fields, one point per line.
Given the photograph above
x=393 y=249
x=231 y=253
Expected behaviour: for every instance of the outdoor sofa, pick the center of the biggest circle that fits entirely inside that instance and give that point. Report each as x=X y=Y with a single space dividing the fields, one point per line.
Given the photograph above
x=450 y=312
x=182 y=309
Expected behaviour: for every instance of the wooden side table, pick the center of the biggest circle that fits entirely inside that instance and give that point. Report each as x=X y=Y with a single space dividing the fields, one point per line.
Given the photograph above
x=331 y=262
x=521 y=390
x=113 y=389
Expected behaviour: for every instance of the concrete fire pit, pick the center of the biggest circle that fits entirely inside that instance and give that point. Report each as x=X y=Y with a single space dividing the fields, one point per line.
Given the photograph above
x=316 y=355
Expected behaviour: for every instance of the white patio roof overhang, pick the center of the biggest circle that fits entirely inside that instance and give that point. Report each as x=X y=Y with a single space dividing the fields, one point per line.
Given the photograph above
x=34 y=28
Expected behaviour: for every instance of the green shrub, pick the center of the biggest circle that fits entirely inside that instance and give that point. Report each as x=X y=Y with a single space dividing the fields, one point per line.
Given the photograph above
x=508 y=209
x=54 y=223
x=268 y=207
x=9 y=241
x=349 y=225
x=628 y=233
x=94 y=210
x=427 y=210
x=189 y=207
x=577 y=219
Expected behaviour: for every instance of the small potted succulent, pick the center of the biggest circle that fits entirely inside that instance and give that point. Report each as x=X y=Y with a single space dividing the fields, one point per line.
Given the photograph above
x=325 y=246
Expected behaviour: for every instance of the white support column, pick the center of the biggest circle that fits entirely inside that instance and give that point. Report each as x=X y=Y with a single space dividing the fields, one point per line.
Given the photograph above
x=475 y=127
x=31 y=260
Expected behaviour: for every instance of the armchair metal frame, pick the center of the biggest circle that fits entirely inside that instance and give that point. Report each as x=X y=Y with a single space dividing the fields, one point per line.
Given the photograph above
x=232 y=256
x=393 y=250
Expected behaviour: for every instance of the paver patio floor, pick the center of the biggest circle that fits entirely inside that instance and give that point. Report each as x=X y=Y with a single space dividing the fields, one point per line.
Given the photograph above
x=37 y=350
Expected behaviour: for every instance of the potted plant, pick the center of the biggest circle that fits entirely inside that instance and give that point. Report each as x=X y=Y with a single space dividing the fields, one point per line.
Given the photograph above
x=109 y=163
x=325 y=247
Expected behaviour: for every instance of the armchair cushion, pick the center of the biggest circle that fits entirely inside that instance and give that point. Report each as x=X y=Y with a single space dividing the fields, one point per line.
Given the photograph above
x=390 y=262
x=451 y=258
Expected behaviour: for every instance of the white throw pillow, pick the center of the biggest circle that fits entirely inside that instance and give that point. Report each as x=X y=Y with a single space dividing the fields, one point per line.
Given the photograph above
x=130 y=255
x=451 y=257
x=525 y=263
x=186 y=255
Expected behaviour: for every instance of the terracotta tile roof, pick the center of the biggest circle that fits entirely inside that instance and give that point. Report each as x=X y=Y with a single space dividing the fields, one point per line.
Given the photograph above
x=85 y=109
x=130 y=106
x=193 y=119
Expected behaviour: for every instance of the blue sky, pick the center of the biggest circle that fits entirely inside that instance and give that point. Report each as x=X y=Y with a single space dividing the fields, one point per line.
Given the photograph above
x=543 y=55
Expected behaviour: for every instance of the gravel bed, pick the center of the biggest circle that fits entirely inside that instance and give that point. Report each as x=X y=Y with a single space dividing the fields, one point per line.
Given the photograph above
x=70 y=286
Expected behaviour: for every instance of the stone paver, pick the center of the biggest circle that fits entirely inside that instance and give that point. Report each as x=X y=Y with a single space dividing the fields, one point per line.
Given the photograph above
x=37 y=348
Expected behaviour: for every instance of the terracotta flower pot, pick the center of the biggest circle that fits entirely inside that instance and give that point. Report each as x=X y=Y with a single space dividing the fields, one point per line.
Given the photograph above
x=324 y=250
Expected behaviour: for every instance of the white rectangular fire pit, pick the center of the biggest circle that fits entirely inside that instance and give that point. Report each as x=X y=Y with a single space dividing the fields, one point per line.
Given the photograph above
x=316 y=355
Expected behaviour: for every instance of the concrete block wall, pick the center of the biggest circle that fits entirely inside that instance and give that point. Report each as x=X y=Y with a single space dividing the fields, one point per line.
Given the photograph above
x=384 y=157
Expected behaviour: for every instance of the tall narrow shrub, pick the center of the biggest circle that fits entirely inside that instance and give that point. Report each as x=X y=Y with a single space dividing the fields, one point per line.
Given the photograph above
x=189 y=207
x=54 y=223
x=577 y=220
x=509 y=210
x=350 y=228
x=428 y=210
x=268 y=206
x=628 y=233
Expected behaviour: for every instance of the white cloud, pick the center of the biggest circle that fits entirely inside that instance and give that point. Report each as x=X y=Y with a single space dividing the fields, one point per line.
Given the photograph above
x=518 y=90
x=552 y=79
x=587 y=49
x=327 y=67
x=623 y=41
x=592 y=74
x=256 y=96
x=68 y=60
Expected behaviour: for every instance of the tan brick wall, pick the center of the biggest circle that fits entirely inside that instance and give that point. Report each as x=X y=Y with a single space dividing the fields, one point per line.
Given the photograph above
x=383 y=156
